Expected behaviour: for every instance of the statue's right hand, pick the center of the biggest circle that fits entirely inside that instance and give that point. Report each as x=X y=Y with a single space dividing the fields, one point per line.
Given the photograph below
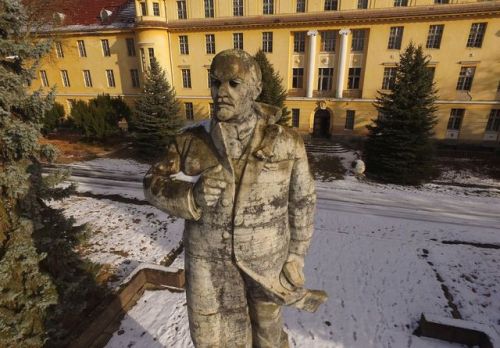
x=209 y=187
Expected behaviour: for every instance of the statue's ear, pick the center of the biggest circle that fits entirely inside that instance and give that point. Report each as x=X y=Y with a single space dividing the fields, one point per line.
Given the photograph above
x=257 y=90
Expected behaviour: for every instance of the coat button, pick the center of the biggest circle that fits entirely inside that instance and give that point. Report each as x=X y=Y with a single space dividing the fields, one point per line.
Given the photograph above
x=226 y=235
x=238 y=221
x=226 y=202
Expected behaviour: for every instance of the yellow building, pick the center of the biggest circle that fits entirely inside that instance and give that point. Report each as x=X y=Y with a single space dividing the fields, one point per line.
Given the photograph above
x=333 y=55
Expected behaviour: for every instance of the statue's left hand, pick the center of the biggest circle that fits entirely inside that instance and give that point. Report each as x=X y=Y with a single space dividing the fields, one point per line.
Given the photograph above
x=293 y=270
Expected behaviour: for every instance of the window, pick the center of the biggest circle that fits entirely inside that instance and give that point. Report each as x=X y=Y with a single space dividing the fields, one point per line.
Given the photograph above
x=325 y=76
x=105 y=48
x=151 y=52
x=399 y=3
x=476 y=35
x=189 y=111
x=328 y=41
x=156 y=9
x=110 y=76
x=143 y=59
x=209 y=78
x=456 y=117
x=349 y=119
x=295 y=118
x=440 y=2
x=181 y=9
x=389 y=78
x=186 y=78
x=134 y=74
x=358 y=40
x=65 y=78
x=434 y=36
x=59 y=49
x=268 y=7
x=211 y=110
x=144 y=10
x=238 y=40
x=362 y=4
x=297 y=77
x=493 y=121
x=465 y=78
x=43 y=77
x=209 y=8
x=432 y=71
x=299 y=41
x=87 y=78
x=354 y=78
x=131 y=47
x=237 y=7
x=81 y=48
x=210 y=43
x=330 y=5
x=183 y=43
x=267 y=41
x=301 y=6
x=395 y=38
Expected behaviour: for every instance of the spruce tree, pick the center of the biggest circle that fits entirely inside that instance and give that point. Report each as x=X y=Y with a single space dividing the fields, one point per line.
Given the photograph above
x=157 y=113
x=399 y=148
x=26 y=292
x=273 y=92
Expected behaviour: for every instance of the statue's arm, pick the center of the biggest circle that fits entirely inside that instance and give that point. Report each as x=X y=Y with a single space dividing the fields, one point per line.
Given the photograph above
x=164 y=189
x=302 y=200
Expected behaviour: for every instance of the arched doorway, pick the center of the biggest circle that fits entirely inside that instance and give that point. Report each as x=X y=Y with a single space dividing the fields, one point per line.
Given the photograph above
x=321 y=126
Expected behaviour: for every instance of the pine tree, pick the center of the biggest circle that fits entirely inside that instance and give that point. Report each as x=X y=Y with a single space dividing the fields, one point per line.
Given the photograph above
x=399 y=148
x=273 y=92
x=39 y=272
x=157 y=113
x=26 y=292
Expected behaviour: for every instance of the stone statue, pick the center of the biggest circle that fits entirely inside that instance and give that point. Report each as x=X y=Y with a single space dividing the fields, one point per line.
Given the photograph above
x=243 y=185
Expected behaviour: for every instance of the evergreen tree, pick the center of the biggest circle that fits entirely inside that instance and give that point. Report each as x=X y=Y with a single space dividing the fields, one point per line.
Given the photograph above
x=273 y=92
x=399 y=148
x=37 y=264
x=157 y=113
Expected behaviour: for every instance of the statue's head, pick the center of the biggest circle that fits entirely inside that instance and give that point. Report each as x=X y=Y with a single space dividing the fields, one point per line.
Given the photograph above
x=236 y=83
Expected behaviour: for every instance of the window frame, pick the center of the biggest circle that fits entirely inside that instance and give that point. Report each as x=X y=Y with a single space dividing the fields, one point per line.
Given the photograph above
x=268 y=7
x=65 y=78
x=493 y=124
x=354 y=78
x=299 y=41
x=238 y=8
x=209 y=8
x=350 y=118
x=400 y=3
x=156 y=9
x=358 y=40
x=389 y=77
x=110 y=78
x=210 y=43
x=322 y=78
x=295 y=117
x=476 y=35
x=362 y=4
x=87 y=78
x=144 y=8
x=44 y=78
x=267 y=41
x=465 y=78
x=186 y=78
x=134 y=76
x=395 y=38
x=59 y=49
x=456 y=119
x=331 y=5
x=131 y=47
x=300 y=6
x=298 y=78
x=82 y=51
x=328 y=40
x=237 y=42
x=106 y=50
x=434 y=36
x=151 y=54
x=181 y=9
x=183 y=44
x=189 y=111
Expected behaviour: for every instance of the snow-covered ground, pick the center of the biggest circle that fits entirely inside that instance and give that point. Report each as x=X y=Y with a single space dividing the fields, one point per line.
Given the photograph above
x=382 y=252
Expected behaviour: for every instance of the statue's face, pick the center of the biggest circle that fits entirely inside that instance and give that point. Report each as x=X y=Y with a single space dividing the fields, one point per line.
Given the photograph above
x=234 y=88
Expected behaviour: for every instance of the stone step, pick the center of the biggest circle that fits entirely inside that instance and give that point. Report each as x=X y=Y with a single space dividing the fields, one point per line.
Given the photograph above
x=324 y=147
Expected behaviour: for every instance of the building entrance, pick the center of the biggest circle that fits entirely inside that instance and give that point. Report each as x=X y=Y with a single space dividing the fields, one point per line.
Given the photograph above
x=321 y=126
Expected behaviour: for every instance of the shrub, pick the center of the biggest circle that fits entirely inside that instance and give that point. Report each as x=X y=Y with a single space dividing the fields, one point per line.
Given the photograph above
x=53 y=118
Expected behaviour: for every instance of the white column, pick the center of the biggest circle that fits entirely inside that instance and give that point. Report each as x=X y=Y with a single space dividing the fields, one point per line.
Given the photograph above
x=342 y=61
x=311 y=62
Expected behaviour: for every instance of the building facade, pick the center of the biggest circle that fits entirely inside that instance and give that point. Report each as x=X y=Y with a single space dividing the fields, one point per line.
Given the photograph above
x=333 y=55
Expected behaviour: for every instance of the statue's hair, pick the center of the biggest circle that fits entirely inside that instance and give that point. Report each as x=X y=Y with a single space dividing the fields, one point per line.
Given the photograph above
x=244 y=58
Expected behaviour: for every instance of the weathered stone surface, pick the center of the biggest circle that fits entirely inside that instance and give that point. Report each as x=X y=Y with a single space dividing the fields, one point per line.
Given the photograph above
x=248 y=198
